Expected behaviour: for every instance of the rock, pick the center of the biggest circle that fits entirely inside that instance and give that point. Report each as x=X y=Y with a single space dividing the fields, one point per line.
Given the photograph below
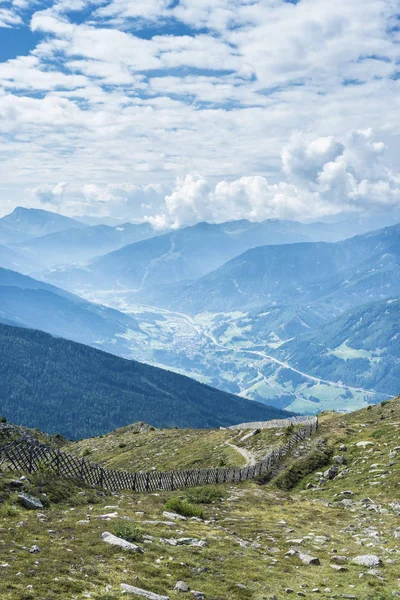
x=343 y=448
x=339 y=459
x=307 y=559
x=364 y=444
x=338 y=559
x=339 y=568
x=347 y=493
x=130 y=589
x=331 y=473
x=181 y=586
x=197 y=595
x=173 y=516
x=35 y=549
x=109 y=538
x=367 y=560
x=289 y=590
x=29 y=501
x=191 y=542
x=16 y=484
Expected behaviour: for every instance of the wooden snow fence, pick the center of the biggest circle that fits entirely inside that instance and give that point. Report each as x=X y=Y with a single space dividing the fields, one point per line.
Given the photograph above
x=29 y=457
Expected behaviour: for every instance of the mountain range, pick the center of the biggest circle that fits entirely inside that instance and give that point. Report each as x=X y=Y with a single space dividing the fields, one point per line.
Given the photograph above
x=183 y=255
x=274 y=311
x=80 y=244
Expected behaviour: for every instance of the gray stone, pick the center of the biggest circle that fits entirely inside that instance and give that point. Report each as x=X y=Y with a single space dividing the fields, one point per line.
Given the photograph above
x=17 y=484
x=109 y=538
x=181 y=586
x=191 y=542
x=331 y=473
x=197 y=595
x=29 y=501
x=339 y=568
x=130 y=589
x=339 y=459
x=367 y=560
x=35 y=549
x=307 y=559
x=173 y=516
x=338 y=559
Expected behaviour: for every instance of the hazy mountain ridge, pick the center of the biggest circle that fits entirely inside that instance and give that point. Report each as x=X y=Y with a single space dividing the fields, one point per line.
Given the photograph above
x=34 y=304
x=341 y=274
x=184 y=255
x=25 y=223
x=82 y=244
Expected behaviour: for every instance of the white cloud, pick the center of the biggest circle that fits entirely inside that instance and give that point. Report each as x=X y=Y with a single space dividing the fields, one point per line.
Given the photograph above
x=49 y=195
x=325 y=176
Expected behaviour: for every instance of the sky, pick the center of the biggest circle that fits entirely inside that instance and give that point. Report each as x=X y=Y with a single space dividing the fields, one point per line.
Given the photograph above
x=179 y=111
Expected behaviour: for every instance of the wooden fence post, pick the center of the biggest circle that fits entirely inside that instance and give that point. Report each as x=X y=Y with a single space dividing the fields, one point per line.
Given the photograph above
x=30 y=466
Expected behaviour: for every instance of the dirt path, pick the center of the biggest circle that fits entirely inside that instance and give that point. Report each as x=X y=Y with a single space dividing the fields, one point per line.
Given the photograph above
x=247 y=455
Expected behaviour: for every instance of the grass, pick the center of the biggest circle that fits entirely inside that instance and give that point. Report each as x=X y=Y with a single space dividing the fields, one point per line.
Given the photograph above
x=184 y=507
x=247 y=530
x=128 y=532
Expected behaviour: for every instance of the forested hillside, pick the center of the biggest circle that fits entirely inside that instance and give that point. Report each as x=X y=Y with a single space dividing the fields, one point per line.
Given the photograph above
x=62 y=386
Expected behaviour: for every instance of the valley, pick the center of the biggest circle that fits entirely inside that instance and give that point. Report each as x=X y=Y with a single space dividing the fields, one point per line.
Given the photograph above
x=217 y=349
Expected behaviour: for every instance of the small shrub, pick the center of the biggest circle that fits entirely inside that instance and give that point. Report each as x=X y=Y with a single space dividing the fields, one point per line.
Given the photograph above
x=127 y=531
x=289 y=430
x=3 y=420
x=384 y=402
x=86 y=452
x=378 y=433
x=369 y=407
x=184 y=508
x=204 y=495
x=122 y=445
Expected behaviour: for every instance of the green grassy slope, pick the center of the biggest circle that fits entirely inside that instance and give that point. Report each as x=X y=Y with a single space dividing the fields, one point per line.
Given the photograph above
x=249 y=531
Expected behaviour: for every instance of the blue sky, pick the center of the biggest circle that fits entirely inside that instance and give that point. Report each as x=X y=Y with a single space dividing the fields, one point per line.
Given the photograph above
x=185 y=110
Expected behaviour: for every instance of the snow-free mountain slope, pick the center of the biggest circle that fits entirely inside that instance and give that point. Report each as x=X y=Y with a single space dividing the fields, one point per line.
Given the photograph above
x=31 y=303
x=339 y=275
x=79 y=245
x=25 y=223
x=360 y=348
x=181 y=255
x=61 y=386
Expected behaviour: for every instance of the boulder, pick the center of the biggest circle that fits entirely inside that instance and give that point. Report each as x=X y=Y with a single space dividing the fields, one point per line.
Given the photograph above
x=173 y=516
x=181 y=586
x=130 y=589
x=109 y=538
x=29 y=501
x=331 y=473
x=307 y=559
x=367 y=560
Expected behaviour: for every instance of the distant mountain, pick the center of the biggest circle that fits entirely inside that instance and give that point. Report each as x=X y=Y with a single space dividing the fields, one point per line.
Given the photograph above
x=79 y=245
x=25 y=223
x=31 y=303
x=12 y=258
x=336 y=275
x=182 y=255
x=61 y=386
x=361 y=348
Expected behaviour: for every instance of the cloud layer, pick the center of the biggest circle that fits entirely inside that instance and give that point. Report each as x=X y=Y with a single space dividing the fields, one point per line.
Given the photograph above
x=150 y=93
x=324 y=176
